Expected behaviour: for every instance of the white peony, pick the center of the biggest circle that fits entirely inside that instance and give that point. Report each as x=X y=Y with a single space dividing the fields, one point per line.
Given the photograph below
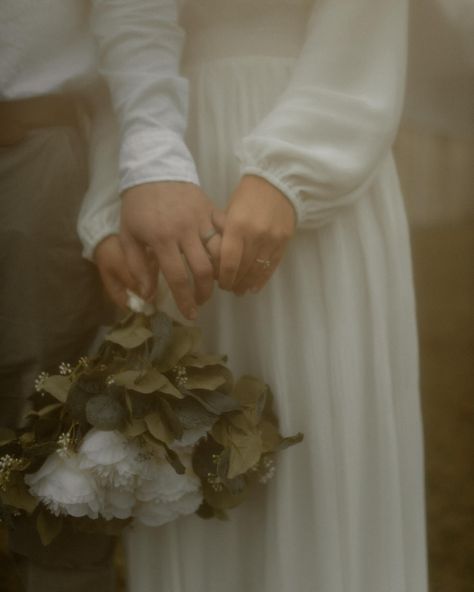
x=111 y=457
x=64 y=488
x=164 y=495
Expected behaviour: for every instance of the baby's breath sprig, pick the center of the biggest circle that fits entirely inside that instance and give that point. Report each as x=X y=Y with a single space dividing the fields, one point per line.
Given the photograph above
x=39 y=382
x=65 y=369
x=9 y=464
x=180 y=375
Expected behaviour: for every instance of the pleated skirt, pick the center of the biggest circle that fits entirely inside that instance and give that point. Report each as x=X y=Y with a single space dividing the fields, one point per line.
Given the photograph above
x=334 y=335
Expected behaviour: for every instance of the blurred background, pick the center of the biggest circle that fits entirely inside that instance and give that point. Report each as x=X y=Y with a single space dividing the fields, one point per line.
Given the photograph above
x=435 y=156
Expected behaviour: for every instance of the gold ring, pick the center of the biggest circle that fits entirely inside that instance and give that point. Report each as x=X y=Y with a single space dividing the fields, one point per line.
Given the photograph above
x=265 y=263
x=209 y=234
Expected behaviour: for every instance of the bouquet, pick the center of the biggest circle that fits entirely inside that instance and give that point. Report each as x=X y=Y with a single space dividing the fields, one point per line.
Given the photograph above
x=149 y=429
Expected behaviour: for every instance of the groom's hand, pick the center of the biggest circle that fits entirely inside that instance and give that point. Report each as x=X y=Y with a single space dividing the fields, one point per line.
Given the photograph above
x=116 y=278
x=172 y=219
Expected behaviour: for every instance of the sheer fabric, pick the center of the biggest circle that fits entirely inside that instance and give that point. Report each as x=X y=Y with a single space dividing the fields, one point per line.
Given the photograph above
x=334 y=331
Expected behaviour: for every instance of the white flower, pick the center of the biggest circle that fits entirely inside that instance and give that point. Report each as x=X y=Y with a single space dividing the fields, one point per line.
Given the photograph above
x=64 y=488
x=155 y=513
x=164 y=495
x=111 y=457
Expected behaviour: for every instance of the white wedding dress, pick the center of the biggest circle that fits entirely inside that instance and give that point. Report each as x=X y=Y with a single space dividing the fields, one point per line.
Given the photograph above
x=308 y=95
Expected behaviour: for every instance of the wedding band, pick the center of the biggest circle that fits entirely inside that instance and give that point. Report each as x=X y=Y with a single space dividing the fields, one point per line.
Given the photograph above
x=265 y=263
x=209 y=234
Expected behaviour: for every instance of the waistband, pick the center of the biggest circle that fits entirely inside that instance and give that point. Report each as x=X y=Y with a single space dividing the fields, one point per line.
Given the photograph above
x=19 y=117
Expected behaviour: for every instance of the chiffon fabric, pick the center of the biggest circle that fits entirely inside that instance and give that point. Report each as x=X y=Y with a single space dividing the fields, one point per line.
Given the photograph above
x=308 y=96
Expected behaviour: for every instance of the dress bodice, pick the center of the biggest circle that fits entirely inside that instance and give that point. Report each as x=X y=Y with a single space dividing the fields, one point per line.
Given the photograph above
x=222 y=28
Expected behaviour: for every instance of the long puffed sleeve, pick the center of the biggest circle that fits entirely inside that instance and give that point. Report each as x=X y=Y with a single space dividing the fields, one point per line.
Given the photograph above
x=324 y=140
x=140 y=46
x=99 y=216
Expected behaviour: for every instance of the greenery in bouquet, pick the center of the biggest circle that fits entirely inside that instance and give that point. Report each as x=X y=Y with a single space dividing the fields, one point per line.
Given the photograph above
x=148 y=429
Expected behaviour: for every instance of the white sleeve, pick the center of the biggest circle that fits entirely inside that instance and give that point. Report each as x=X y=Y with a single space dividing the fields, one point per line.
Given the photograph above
x=140 y=46
x=322 y=143
x=99 y=215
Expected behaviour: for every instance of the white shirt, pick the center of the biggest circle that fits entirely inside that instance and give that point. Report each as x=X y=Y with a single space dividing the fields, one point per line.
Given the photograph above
x=47 y=46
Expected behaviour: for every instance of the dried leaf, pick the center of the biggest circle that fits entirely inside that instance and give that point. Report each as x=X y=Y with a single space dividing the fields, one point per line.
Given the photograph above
x=48 y=526
x=151 y=381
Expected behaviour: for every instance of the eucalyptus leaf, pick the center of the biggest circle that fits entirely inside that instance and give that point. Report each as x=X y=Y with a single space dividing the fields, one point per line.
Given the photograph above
x=158 y=428
x=105 y=413
x=198 y=360
x=242 y=439
x=6 y=436
x=162 y=329
x=183 y=341
x=215 y=401
x=132 y=334
x=49 y=526
x=150 y=381
x=209 y=378
x=46 y=410
x=171 y=417
x=58 y=386
x=18 y=496
x=136 y=427
x=192 y=415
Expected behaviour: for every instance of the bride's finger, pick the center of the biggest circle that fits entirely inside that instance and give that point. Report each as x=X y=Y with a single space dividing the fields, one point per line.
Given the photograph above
x=261 y=270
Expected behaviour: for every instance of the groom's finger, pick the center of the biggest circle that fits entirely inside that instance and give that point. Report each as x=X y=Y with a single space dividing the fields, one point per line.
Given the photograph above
x=174 y=270
x=231 y=254
x=138 y=265
x=200 y=266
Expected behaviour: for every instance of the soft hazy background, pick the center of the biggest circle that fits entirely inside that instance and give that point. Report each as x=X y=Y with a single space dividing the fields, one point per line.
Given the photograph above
x=435 y=155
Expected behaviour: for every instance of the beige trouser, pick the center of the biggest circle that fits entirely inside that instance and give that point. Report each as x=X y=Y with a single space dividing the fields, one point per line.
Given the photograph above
x=51 y=305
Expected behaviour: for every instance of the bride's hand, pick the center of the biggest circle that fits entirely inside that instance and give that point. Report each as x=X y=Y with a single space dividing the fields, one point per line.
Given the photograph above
x=259 y=222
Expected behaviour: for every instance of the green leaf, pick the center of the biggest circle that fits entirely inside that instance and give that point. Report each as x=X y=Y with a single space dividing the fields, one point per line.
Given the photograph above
x=7 y=436
x=49 y=526
x=192 y=415
x=171 y=417
x=58 y=386
x=215 y=401
x=202 y=360
x=151 y=381
x=244 y=441
x=271 y=438
x=291 y=441
x=158 y=428
x=209 y=378
x=162 y=329
x=184 y=340
x=18 y=496
x=136 y=427
x=132 y=335
x=252 y=394
x=45 y=410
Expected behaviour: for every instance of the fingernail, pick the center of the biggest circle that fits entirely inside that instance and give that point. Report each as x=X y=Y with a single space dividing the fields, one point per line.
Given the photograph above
x=192 y=315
